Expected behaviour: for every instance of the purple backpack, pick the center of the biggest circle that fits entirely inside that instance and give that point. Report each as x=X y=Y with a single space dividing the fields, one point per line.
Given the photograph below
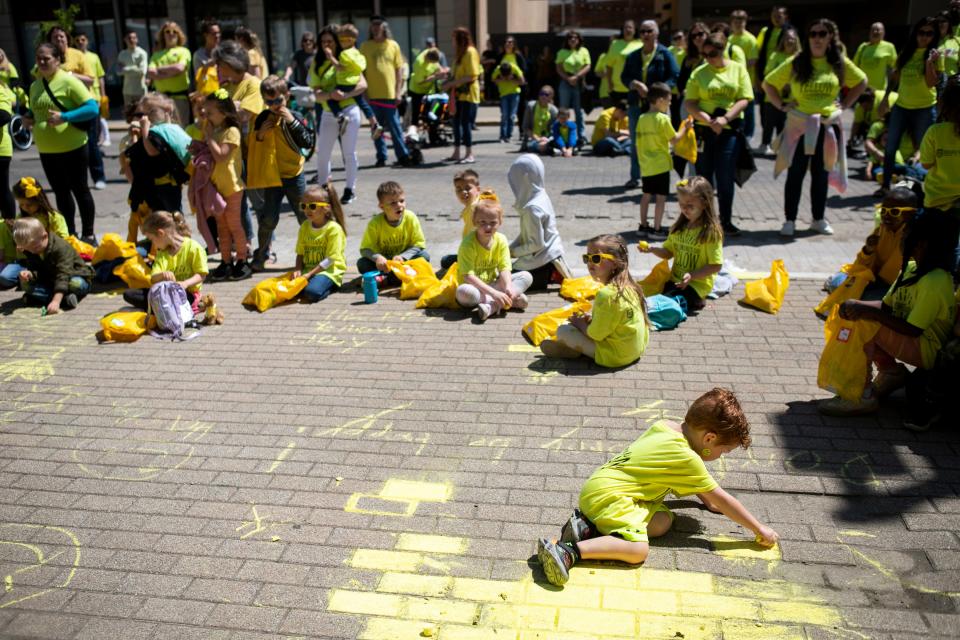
x=167 y=302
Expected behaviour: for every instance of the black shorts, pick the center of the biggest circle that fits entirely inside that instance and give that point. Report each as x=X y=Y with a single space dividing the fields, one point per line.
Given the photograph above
x=657 y=185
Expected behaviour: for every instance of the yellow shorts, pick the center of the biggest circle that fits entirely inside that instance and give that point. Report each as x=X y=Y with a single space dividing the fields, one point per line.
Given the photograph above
x=622 y=516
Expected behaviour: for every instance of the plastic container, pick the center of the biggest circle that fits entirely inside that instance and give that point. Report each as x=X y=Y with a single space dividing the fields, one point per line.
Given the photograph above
x=370 y=291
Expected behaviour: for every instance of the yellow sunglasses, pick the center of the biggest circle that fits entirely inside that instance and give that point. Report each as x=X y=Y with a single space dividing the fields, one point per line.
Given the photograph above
x=597 y=258
x=895 y=212
x=313 y=206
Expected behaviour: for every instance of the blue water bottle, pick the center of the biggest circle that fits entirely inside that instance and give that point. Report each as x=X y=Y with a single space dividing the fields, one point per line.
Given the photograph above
x=370 y=292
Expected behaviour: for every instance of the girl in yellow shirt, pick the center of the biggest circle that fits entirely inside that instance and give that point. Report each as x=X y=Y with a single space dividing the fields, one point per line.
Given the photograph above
x=617 y=331
x=321 y=243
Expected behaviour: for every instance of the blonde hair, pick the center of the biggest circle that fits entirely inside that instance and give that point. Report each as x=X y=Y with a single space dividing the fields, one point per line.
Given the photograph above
x=467 y=175
x=348 y=30
x=158 y=107
x=26 y=230
x=161 y=42
x=488 y=202
x=166 y=221
x=700 y=187
x=620 y=278
x=327 y=193
x=388 y=188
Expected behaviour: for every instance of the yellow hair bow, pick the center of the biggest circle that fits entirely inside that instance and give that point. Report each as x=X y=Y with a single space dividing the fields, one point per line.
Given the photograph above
x=221 y=94
x=683 y=183
x=489 y=194
x=30 y=187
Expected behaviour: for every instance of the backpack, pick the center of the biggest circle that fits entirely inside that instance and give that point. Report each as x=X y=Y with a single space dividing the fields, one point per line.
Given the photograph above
x=666 y=312
x=167 y=303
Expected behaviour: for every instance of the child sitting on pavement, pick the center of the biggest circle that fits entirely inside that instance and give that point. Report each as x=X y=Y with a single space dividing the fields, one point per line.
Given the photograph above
x=466 y=186
x=565 y=134
x=321 y=243
x=392 y=234
x=621 y=505
x=55 y=276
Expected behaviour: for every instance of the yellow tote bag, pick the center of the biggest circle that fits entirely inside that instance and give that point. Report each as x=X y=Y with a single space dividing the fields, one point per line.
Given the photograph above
x=583 y=288
x=416 y=276
x=843 y=364
x=112 y=246
x=686 y=147
x=767 y=294
x=270 y=292
x=443 y=294
x=546 y=324
x=858 y=277
x=207 y=80
x=657 y=279
x=83 y=249
x=124 y=326
x=134 y=272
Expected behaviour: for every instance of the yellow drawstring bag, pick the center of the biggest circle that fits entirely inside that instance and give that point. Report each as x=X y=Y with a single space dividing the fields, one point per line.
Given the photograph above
x=124 y=326
x=268 y=293
x=135 y=272
x=416 y=276
x=858 y=277
x=657 y=279
x=843 y=364
x=686 y=147
x=83 y=249
x=767 y=294
x=443 y=294
x=546 y=324
x=206 y=80
x=112 y=246
x=584 y=288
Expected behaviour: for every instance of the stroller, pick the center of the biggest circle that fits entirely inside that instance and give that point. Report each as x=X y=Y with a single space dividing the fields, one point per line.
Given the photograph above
x=304 y=100
x=436 y=120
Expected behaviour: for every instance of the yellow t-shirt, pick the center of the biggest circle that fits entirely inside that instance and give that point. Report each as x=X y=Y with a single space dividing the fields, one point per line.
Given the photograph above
x=354 y=64
x=875 y=60
x=190 y=260
x=247 y=93
x=690 y=254
x=96 y=72
x=54 y=223
x=383 y=60
x=423 y=69
x=736 y=54
x=600 y=68
x=329 y=241
x=485 y=263
x=715 y=88
x=75 y=62
x=270 y=158
x=773 y=33
x=618 y=328
x=179 y=83
x=259 y=61
x=913 y=89
x=572 y=60
x=616 y=57
x=819 y=94
x=747 y=43
x=325 y=79
x=679 y=53
x=71 y=93
x=510 y=86
x=941 y=148
x=9 y=74
x=876 y=133
x=387 y=240
x=8 y=247
x=927 y=304
x=654 y=133
x=469 y=65
x=7 y=98
x=607 y=125
x=227 y=172
x=466 y=215
x=657 y=463
x=869 y=117
x=950 y=55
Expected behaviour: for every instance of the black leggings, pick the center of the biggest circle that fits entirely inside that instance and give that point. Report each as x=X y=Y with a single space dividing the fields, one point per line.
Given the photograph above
x=7 y=206
x=67 y=174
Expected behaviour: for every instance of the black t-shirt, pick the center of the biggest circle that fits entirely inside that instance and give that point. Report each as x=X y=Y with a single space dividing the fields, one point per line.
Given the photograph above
x=300 y=62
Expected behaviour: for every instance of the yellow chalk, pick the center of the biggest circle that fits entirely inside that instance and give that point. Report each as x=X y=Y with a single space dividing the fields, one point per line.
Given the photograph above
x=396 y=489
x=431 y=544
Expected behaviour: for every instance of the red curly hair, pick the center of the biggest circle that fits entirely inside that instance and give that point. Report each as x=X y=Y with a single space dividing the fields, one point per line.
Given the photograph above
x=718 y=410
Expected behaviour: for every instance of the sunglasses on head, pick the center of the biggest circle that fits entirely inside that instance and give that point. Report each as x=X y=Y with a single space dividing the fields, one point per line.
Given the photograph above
x=597 y=258
x=895 y=212
x=819 y=33
x=313 y=206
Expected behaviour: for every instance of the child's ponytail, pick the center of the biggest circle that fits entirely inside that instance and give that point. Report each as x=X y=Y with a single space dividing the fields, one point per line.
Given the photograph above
x=621 y=278
x=335 y=207
x=172 y=223
x=180 y=224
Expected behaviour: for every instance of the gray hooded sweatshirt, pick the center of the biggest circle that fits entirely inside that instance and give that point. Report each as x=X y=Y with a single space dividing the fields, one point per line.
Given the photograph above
x=539 y=242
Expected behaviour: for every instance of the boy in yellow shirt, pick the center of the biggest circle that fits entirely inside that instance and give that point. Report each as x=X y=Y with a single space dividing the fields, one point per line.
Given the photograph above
x=466 y=186
x=392 y=234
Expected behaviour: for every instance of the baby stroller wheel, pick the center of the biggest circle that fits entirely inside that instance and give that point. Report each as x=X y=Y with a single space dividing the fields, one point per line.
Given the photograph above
x=20 y=135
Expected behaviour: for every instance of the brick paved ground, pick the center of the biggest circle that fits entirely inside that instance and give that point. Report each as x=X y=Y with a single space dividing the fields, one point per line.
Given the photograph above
x=352 y=471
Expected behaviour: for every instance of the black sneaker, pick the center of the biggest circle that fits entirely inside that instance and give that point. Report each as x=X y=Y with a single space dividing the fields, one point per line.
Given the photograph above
x=577 y=528
x=380 y=163
x=240 y=270
x=348 y=196
x=89 y=239
x=730 y=229
x=222 y=272
x=70 y=301
x=644 y=230
x=556 y=560
x=631 y=184
x=658 y=234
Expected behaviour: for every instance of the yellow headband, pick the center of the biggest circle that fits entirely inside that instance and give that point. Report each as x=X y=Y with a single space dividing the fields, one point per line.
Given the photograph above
x=488 y=194
x=683 y=183
x=221 y=94
x=30 y=187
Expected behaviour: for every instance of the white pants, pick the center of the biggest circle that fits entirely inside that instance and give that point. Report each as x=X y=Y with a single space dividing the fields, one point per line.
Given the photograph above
x=576 y=339
x=327 y=138
x=469 y=296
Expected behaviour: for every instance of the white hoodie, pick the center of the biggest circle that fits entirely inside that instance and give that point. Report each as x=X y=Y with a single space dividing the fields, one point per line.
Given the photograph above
x=539 y=242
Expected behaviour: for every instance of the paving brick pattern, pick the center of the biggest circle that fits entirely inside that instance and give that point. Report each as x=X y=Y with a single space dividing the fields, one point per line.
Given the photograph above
x=343 y=470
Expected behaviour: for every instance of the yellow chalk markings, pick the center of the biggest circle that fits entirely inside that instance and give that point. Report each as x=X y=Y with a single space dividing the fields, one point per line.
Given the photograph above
x=25 y=546
x=398 y=497
x=259 y=524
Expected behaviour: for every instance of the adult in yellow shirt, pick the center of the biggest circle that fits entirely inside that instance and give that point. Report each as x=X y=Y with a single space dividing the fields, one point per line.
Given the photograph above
x=465 y=87
x=815 y=76
x=611 y=136
x=384 y=76
x=7 y=207
x=573 y=63
x=748 y=44
x=940 y=155
x=251 y=42
x=876 y=57
x=169 y=68
x=98 y=90
x=915 y=80
x=617 y=54
x=767 y=41
x=775 y=118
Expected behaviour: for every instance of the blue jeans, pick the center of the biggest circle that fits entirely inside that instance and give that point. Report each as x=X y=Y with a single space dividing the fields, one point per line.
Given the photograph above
x=903 y=121
x=319 y=287
x=462 y=122
x=609 y=146
x=718 y=164
x=42 y=294
x=569 y=96
x=750 y=119
x=633 y=114
x=94 y=156
x=388 y=118
x=10 y=275
x=268 y=209
x=508 y=111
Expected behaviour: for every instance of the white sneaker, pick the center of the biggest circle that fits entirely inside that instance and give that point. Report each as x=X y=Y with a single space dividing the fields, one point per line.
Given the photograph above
x=483 y=311
x=788 y=229
x=99 y=185
x=822 y=226
x=521 y=302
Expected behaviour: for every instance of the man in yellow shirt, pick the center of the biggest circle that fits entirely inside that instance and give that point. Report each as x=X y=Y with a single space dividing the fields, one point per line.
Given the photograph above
x=611 y=135
x=97 y=90
x=384 y=76
x=748 y=44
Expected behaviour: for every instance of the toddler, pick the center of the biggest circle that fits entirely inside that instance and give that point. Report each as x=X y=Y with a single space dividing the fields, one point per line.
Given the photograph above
x=466 y=186
x=392 y=234
x=621 y=504
x=321 y=243
x=565 y=134
x=54 y=275
x=350 y=65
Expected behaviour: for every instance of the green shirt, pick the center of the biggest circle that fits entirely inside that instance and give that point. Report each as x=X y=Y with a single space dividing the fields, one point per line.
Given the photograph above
x=423 y=69
x=618 y=327
x=905 y=150
x=875 y=60
x=941 y=148
x=325 y=79
x=541 y=120
x=511 y=84
x=572 y=60
x=715 y=88
x=329 y=241
x=93 y=62
x=10 y=73
x=54 y=223
x=735 y=53
x=71 y=93
x=388 y=240
x=617 y=56
x=6 y=105
x=747 y=43
x=485 y=263
x=600 y=68
x=819 y=94
x=352 y=65
x=772 y=35
x=913 y=89
x=654 y=133
x=187 y=262
x=179 y=83
x=928 y=304
x=691 y=254
x=950 y=55
x=862 y=115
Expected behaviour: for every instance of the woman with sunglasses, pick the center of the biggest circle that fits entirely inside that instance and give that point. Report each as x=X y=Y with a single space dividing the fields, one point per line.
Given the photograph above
x=812 y=137
x=717 y=94
x=538 y=118
x=573 y=63
x=692 y=59
x=169 y=68
x=915 y=79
